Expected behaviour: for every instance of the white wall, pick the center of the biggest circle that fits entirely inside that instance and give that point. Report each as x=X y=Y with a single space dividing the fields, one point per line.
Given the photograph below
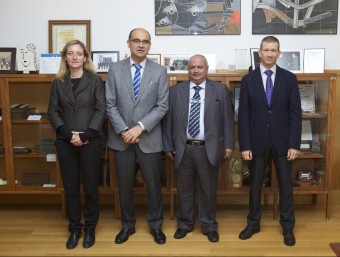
x=26 y=21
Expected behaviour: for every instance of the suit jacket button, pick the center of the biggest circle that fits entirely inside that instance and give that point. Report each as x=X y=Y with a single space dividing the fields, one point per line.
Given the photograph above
x=268 y=125
x=269 y=112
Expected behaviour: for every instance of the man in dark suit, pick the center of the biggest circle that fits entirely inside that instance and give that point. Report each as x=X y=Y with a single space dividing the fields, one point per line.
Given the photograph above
x=136 y=101
x=198 y=154
x=270 y=124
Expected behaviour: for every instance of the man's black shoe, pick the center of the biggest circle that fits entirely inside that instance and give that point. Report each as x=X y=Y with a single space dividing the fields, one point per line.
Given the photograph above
x=89 y=238
x=248 y=232
x=289 y=238
x=181 y=233
x=124 y=234
x=158 y=236
x=213 y=236
x=72 y=241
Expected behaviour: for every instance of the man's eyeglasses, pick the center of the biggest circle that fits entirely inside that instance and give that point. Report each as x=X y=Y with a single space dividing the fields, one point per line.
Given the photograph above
x=138 y=41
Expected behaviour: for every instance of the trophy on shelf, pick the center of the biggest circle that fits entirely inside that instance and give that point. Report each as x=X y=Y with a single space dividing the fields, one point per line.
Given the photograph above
x=235 y=172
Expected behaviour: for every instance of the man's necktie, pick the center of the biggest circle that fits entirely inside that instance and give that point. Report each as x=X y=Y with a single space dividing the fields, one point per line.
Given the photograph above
x=269 y=86
x=137 y=79
x=194 y=117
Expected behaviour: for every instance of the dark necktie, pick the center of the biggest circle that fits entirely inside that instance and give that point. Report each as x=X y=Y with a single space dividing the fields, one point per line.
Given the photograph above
x=269 y=86
x=137 y=79
x=194 y=117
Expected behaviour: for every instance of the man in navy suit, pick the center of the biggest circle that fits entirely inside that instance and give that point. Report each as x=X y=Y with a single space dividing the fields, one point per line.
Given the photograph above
x=270 y=125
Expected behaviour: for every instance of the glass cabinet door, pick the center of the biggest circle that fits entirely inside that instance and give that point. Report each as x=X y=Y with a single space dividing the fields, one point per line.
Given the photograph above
x=3 y=175
x=309 y=170
x=32 y=135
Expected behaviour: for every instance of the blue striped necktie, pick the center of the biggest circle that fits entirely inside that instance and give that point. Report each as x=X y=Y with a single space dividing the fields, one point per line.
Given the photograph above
x=269 y=86
x=194 y=117
x=137 y=79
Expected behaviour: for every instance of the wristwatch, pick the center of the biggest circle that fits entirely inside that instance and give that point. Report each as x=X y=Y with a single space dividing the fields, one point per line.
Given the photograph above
x=123 y=131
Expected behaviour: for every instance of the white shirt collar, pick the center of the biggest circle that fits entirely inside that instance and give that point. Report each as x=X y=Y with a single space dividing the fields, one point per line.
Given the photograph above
x=142 y=63
x=202 y=85
x=263 y=69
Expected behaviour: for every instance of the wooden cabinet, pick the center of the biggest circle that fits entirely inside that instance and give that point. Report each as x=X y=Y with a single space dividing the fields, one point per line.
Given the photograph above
x=312 y=171
x=27 y=136
x=29 y=164
x=35 y=172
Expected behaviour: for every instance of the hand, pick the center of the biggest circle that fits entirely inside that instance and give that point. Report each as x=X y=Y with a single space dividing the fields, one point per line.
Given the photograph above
x=170 y=155
x=247 y=155
x=227 y=153
x=132 y=135
x=75 y=140
x=292 y=154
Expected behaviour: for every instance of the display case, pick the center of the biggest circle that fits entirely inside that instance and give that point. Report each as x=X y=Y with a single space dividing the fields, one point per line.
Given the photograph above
x=312 y=170
x=28 y=164
x=30 y=156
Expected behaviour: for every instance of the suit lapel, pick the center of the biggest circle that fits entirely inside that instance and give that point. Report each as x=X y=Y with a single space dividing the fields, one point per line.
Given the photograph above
x=258 y=82
x=209 y=91
x=185 y=94
x=277 y=84
x=126 y=72
x=67 y=88
x=84 y=82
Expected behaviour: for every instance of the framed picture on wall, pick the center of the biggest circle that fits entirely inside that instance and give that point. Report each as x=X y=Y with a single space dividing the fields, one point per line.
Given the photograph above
x=199 y=17
x=62 y=31
x=295 y=17
x=7 y=60
x=102 y=59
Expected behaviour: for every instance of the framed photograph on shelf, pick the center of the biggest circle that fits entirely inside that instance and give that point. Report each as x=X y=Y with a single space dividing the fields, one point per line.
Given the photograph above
x=314 y=60
x=155 y=58
x=62 y=31
x=7 y=59
x=289 y=59
x=255 y=58
x=102 y=59
x=176 y=63
x=49 y=63
x=236 y=100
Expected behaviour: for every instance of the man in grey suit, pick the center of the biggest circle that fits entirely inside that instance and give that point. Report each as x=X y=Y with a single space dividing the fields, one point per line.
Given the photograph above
x=198 y=145
x=136 y=101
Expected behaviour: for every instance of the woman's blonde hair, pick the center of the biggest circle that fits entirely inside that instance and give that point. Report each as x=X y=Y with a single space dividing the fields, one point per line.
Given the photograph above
x=64 y=69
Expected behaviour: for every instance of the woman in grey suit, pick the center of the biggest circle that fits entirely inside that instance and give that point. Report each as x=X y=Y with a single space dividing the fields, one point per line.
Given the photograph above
x=76 y=111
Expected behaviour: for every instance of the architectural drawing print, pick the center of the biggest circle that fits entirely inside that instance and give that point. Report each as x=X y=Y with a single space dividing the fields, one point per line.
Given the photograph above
x=295 y=16
x=197 y=17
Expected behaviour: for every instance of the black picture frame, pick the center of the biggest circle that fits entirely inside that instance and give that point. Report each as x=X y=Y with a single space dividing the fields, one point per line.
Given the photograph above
x=102 y=59
x=314 y=17
x=200 y=17
x=7 y=59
